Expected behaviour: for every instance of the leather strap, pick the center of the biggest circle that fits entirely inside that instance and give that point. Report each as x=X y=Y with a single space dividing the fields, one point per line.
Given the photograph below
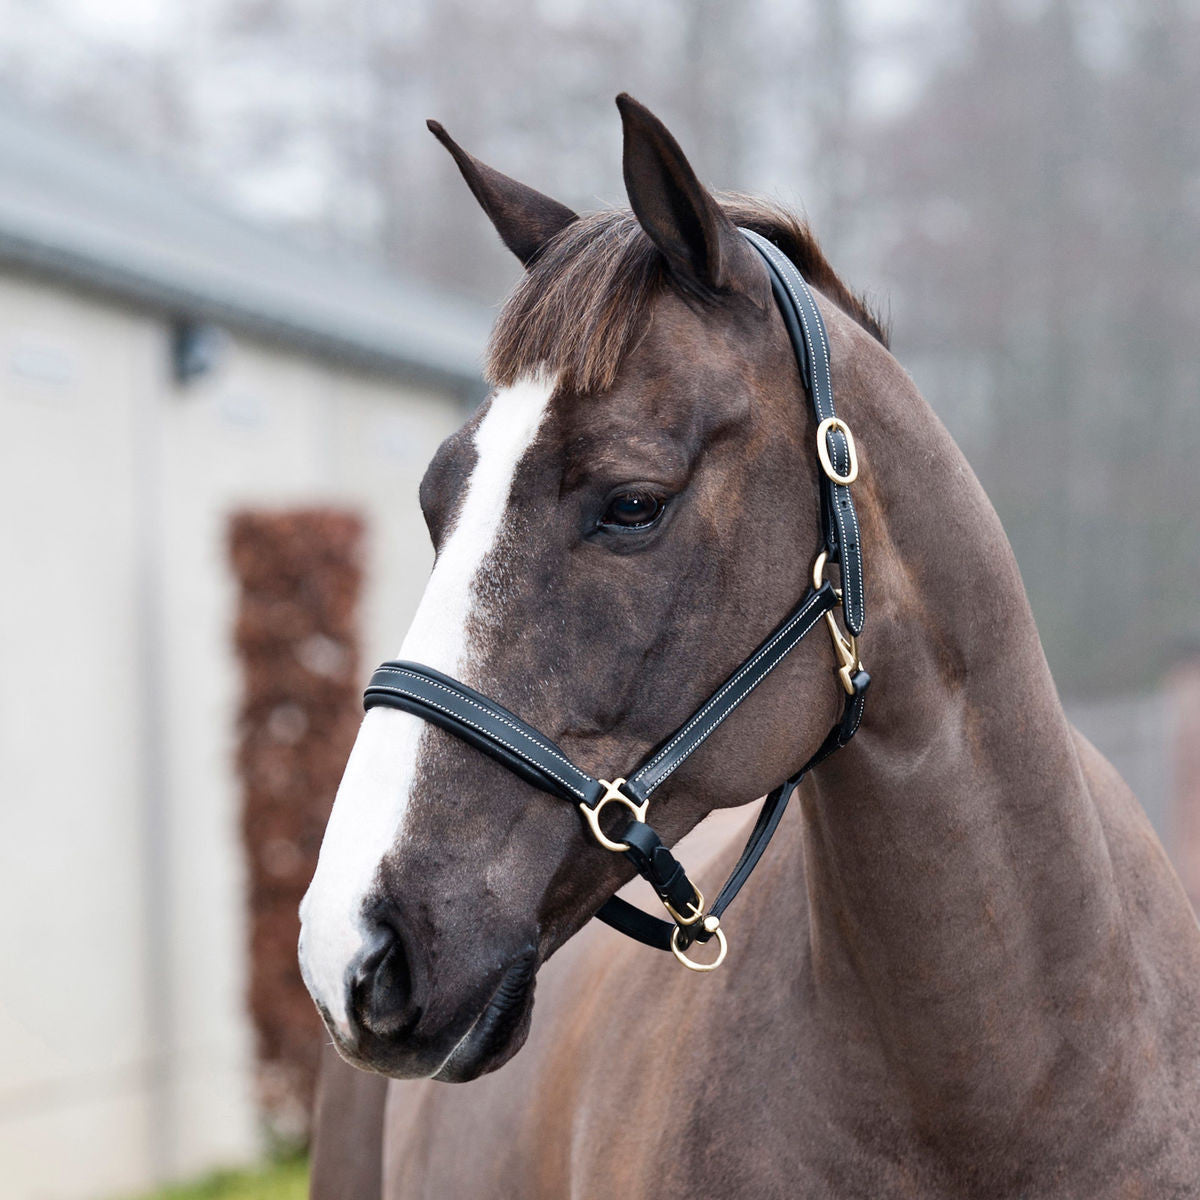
x=685 y=740
x=839 y=520
x=486 y=725
x=652 y=931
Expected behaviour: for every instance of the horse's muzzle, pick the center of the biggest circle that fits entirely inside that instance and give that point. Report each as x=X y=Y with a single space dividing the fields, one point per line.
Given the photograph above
x=396 y=1030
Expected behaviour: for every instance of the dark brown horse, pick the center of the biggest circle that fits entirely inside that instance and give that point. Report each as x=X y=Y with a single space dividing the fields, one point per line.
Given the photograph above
x=965 y=968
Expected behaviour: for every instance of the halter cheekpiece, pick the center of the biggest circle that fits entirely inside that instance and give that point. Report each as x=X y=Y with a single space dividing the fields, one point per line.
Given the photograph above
x=529 y=754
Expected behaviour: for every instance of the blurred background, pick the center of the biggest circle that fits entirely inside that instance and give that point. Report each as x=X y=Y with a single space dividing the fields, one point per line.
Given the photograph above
x=243 y=295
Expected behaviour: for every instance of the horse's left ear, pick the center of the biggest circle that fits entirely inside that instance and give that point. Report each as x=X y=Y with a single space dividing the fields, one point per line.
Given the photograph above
x=524 y=218
x=683 y=219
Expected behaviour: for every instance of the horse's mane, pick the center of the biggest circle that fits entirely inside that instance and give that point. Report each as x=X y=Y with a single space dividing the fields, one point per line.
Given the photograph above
x=582 y=305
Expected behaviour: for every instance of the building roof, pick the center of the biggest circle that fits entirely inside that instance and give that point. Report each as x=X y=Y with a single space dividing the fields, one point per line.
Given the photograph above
x=97 y=218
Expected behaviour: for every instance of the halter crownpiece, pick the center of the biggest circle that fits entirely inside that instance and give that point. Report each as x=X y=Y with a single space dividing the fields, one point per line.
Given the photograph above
x=526 y=752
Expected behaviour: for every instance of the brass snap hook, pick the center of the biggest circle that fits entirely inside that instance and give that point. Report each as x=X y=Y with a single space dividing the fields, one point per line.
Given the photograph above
x=612 y=795
x=845 y=645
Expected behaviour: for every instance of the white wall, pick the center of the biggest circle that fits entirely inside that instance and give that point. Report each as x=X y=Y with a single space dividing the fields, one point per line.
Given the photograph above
x=125 y=1049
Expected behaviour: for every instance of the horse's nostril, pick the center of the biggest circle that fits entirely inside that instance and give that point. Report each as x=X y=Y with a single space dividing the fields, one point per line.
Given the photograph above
x=381 y=985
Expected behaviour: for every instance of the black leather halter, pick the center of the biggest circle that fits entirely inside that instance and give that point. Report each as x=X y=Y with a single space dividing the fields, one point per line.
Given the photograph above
x=531 y=755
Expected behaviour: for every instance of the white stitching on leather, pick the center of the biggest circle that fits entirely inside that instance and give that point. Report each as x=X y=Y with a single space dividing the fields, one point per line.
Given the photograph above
x=482 y=708
x=778 y=254
x=487 y=733
x=494 y=715
x=858 y=716
x=858 y=556
x=732 y=683
x=716 y=724
x=853 y=517
x=780 y=259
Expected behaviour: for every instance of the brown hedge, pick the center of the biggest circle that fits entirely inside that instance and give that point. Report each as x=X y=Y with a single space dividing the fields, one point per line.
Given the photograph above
x=300 y=576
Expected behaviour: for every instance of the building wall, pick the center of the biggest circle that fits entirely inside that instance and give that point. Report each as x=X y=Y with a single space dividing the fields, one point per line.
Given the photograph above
x=125 y=1052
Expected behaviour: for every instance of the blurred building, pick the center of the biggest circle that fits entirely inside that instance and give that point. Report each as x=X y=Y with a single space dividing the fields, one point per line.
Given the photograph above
x=161 y=364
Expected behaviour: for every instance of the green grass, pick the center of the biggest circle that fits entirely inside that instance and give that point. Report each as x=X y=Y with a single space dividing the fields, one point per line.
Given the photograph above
x=283 y=1181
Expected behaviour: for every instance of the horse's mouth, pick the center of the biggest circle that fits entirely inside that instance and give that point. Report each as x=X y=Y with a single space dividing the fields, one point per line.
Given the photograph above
x=500 y=1030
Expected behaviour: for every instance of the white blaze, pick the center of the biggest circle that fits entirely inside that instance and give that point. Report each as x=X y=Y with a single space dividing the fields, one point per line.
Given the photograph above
x=376 y=790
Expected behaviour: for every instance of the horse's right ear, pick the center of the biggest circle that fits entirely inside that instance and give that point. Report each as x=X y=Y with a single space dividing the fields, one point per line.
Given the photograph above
x=524 y=218
x=701 y=244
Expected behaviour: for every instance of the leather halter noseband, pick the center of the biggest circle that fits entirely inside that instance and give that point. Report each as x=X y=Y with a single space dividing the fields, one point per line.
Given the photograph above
x=526 y=752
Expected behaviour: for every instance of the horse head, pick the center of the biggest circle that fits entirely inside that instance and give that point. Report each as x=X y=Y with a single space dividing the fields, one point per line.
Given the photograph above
x=618 y=525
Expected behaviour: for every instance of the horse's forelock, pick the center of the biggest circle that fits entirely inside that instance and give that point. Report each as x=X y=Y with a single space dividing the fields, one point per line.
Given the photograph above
x=584 y=304
x=580 y=307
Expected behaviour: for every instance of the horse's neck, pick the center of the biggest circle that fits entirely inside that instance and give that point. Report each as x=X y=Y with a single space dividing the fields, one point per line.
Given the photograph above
x=961 y=893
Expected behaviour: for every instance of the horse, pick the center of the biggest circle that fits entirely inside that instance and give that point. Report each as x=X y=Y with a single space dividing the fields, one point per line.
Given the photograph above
x=965 y=967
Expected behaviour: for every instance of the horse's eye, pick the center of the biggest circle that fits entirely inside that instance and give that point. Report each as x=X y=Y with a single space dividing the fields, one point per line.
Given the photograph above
x=633 y=510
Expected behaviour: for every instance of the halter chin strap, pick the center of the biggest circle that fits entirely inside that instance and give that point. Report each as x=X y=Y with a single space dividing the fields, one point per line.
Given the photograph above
x=528 y=753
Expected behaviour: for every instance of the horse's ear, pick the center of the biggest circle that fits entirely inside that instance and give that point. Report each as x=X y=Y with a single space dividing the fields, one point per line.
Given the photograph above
x=701 y=244
x=524 y=218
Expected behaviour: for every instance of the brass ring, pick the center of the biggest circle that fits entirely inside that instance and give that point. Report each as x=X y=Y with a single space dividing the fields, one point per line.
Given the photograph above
x=819 y=569
x=613 y=795
x=696 y=966
x=823 y=430
x=818 y=577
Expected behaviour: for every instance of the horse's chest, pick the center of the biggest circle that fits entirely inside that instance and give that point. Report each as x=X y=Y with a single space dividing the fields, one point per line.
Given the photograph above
x=510 y=1143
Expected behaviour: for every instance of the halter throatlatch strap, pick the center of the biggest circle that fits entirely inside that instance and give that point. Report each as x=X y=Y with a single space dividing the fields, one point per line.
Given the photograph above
x=528 y=753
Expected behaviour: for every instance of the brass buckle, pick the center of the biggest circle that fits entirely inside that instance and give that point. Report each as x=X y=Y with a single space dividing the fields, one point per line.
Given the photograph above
x=823 y=430
x=612 y=795
x=845 y=645
x=712 y=925
x=696 y=905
